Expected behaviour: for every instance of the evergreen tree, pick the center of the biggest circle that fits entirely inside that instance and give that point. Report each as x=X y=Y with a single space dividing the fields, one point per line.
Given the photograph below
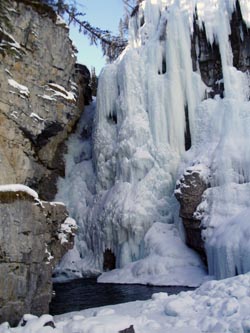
x=111 y=45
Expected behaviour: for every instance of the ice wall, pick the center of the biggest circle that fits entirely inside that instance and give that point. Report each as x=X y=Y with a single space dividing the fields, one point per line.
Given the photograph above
x=139 y=133
x=221 y=143
x=147 y=101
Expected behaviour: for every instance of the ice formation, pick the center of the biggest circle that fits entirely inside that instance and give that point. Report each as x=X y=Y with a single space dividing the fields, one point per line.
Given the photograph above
x=120 y=180
x=168 y=261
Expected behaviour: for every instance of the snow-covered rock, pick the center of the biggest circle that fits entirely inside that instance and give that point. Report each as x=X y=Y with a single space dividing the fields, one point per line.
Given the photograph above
x=189 y=190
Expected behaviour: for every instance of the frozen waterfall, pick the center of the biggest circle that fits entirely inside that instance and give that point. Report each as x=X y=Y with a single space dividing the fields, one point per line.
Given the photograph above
x=125 y=158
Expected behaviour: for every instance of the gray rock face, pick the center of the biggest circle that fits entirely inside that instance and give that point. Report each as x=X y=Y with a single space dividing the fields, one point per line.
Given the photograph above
x=30 y=245
x=189 y=190
x=42 y=94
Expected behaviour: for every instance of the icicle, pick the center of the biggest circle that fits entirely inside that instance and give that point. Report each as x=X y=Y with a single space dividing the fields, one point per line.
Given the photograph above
x=245 y=10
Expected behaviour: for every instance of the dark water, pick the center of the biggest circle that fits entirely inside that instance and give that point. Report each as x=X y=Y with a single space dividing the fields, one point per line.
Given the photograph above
x=82 y=294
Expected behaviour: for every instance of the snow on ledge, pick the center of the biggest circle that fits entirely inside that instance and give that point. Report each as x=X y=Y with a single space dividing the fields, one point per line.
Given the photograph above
x=19 y=188
x=11 y=40
x=36 y=117
x=61 y=91
x=22 y=89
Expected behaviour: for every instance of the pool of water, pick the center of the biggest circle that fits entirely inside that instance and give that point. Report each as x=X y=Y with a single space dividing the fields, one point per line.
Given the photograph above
x=86 y=293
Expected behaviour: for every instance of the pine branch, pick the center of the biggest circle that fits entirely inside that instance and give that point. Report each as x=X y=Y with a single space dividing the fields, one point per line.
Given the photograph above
x=112 y=46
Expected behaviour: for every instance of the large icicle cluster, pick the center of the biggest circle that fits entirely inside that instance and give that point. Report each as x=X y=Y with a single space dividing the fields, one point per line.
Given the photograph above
x=150 y=102
x=220 y=141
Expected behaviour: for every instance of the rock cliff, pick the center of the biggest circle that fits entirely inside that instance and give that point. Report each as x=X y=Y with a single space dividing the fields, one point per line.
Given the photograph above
x=42 y=94
x=41 y=97
x=34 y=235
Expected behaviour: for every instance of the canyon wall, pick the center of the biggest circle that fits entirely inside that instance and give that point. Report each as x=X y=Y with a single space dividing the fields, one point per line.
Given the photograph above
x=42 y=94
x=34 y=235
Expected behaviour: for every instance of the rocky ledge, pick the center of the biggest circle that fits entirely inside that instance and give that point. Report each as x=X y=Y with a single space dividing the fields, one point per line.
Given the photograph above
x=34 y=235
x=189 y=190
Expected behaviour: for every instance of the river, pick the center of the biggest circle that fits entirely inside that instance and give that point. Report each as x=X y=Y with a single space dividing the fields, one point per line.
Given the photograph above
x=86 y=293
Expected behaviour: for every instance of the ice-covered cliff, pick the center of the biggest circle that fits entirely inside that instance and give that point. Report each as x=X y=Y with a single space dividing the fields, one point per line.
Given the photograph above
x=176 y=102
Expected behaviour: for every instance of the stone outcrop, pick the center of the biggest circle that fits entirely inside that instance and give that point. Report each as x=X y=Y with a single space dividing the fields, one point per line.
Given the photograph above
x=42 y=94
x=34 y=235
x=189 y=190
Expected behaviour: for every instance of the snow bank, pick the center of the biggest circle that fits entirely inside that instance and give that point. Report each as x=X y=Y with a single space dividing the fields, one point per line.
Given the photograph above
x=168 y=262
x=216 y=307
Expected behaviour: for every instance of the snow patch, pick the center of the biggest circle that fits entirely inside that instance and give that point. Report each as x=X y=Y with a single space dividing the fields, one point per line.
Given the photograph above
x=59 y=90
x=36 y=117
x=23 y=90
x=68 y=227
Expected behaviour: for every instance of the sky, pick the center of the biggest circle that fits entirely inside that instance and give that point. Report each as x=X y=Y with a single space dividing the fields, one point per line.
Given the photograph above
x=104 y=14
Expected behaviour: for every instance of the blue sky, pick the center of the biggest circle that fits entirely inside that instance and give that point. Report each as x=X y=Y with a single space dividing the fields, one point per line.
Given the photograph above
x=104 y=14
